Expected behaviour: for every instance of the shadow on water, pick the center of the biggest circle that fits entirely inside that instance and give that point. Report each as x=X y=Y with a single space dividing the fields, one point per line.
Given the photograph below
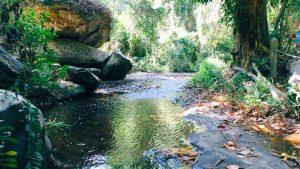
x=116 y=130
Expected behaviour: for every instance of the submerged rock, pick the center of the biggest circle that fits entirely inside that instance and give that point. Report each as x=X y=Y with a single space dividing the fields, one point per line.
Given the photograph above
x=26 y=124
x=86 y=21
x=77 y=54
x=117 y=67
x=10 y=69
x=84 y=77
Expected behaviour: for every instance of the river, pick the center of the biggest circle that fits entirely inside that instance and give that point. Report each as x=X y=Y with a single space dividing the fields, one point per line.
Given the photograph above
x=113 y=128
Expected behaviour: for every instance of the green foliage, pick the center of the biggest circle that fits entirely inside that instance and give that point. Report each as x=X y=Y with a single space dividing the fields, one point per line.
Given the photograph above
x=34 y=135
x=220 y=43
x=238 y=81
x=293 y=102
x=207 y=75
x=34 y=35
x=178 y=55
x=121 y=36
x=8 y=158
x=53 y=126
x=146 y=18
x=185 y=10
x=31 y=45
x=63 y=71
x=256 y=93
x=34 y=131
x=183 y=55
x=139 y=48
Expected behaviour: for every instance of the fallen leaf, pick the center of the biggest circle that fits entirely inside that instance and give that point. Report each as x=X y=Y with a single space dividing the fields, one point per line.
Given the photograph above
x=230 y=145
x=221 y=99
x=264 y=129
x=293 y=139
x=221 y=127
x=261 y=128
x=233 y=167
x=255 y=128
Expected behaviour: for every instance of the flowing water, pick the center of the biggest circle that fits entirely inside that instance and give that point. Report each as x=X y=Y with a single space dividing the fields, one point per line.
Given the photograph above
x=114 y=131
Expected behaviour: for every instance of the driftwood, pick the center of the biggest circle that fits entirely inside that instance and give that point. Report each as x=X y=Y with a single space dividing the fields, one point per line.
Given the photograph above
x=276 y=94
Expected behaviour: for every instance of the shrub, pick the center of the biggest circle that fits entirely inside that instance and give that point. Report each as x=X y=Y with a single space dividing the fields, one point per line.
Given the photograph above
x=121 y=36
x=206 y=76
x=32 y=49
x=139 y=48
x=34 y=36
x=183 y=55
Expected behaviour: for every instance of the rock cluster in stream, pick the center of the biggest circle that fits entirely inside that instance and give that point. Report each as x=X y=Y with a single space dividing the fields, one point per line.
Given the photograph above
x=88 y=65
x=83 y=26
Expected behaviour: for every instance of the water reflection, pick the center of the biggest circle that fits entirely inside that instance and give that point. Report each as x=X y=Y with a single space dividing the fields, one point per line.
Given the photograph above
x=115 y=131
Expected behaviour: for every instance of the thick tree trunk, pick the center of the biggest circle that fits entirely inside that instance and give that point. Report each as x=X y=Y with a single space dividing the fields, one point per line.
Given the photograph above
x=251 y=33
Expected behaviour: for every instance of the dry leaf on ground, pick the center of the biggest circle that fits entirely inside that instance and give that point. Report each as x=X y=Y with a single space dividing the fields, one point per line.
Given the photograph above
x=230 y=145
x=293 y=139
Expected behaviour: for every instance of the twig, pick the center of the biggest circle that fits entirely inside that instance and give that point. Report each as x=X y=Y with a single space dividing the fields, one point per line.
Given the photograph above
x=219 y=162
x=226 y=137
x=236 y=138
x=285 y=54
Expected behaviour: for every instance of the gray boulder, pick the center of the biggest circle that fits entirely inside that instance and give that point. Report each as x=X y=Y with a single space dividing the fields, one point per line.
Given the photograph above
x=117 y=67
x=78 y=54
x=84 y=77
x=10 y=69
x=23 y=122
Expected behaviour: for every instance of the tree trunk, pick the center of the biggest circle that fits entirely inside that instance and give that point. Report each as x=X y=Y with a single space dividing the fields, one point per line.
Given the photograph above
x=251 y=32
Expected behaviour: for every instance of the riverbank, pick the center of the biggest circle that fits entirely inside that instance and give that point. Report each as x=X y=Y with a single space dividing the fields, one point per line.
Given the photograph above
x=227 y=138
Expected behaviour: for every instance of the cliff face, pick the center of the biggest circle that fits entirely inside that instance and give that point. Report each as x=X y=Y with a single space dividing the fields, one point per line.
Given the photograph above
x=86 y=21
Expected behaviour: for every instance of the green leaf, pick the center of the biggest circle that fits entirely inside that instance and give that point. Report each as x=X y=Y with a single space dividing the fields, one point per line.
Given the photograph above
x=10 y=165
x=11 y=160
x=9 y=139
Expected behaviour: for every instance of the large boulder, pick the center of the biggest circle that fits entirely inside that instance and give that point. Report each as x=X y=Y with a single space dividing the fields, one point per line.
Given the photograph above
x=84 y=77
x=86 y=21
x=25 y=124
x=117 y=67
x=77 y=54
x=10 y=69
